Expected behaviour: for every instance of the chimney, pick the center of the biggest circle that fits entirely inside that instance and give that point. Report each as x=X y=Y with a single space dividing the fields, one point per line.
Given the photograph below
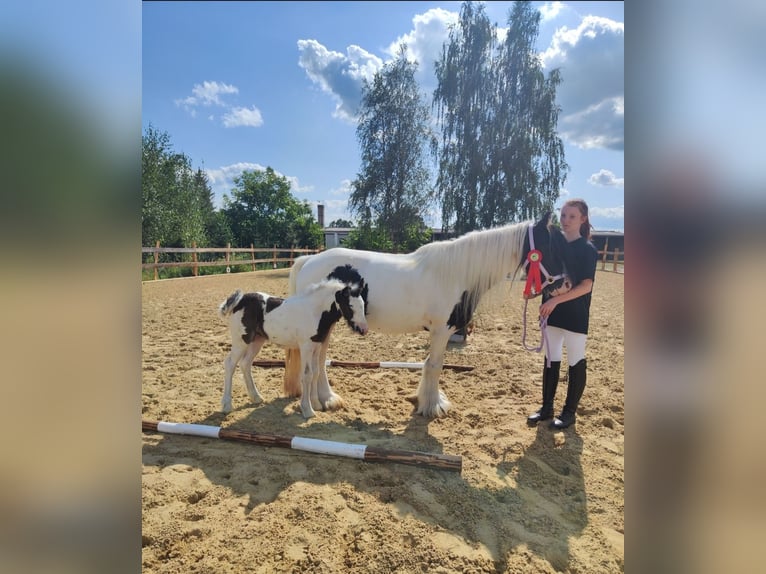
x=320 y=215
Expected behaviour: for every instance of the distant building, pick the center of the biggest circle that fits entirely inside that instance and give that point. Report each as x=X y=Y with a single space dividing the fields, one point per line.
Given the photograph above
x=333 y=236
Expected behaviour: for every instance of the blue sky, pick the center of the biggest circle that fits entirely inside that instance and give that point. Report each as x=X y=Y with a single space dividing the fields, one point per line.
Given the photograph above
x=245 y=85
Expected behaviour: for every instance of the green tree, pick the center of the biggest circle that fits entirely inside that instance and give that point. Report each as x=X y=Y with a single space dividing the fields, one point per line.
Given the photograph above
x=263 y=212
x=173 y=196
x=463 y=102
x=527 y=166
x=392 y=190
x=500 y=158
x=341 y=223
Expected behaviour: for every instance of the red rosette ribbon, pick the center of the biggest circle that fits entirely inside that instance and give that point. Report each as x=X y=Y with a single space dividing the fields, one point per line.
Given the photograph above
x=534 y=284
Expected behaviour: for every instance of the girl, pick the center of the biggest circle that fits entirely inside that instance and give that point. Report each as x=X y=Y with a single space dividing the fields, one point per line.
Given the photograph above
x=568 y=315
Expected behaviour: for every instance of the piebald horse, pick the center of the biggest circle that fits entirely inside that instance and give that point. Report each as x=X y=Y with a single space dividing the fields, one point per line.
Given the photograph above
x=302 y=321
x=437 y=288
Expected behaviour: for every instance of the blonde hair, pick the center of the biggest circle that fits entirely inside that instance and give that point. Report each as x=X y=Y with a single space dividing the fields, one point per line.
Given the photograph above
x=583 y=209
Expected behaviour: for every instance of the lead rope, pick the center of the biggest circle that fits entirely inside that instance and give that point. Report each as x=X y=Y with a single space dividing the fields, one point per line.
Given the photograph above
x=533 y=287
x=543 y=336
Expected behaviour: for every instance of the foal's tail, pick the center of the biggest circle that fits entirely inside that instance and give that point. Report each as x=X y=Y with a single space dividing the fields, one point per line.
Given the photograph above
x=224 y=309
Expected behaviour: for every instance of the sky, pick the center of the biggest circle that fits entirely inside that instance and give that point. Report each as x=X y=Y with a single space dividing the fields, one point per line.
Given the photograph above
x=250 y=85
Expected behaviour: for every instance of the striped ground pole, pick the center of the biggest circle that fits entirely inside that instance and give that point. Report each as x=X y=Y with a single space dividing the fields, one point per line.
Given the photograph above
x=363 y=452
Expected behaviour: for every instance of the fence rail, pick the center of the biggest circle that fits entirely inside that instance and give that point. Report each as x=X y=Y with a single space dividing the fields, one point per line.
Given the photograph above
x=618 y=258
x=229 y=253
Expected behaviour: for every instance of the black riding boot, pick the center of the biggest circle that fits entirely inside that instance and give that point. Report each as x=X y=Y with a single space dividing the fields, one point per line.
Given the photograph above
x=550 y=383
x=574 y=393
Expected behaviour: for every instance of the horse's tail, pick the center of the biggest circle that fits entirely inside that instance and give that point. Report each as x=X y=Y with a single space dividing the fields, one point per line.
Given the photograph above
x=294 y=270
x=224 y=309
x=292 y=381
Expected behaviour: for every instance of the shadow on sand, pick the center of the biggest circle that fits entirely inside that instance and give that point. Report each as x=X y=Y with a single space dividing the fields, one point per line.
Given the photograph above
x=537 y=499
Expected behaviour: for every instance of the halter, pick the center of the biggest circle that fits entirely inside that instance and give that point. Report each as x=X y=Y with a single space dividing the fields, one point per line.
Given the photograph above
x=534 y=261
x=532 y=289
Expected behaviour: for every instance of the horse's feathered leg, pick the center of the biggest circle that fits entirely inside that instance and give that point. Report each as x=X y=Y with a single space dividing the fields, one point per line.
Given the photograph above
x=327 y=397
x=429 y=400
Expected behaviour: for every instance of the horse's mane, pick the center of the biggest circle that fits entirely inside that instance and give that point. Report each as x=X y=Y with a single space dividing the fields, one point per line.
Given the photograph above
x=477 y=260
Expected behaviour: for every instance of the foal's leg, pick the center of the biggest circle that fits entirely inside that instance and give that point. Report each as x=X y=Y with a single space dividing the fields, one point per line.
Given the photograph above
x=246 y=364
x=308 y=375
x=327 y=397
x=313 y=391
x=238 y=349
x=429 y=400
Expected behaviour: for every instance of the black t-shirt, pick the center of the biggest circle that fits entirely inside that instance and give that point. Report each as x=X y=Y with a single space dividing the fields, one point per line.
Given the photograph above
x=574 y=315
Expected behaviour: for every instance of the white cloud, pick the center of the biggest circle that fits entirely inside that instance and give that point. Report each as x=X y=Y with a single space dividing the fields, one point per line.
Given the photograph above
x=424 y=42
x=343 y=190
x=592 y=92
x=250 y=117
x=206 y=94
x=606 y=178
x=607 y=212
x=210 y=94
x=550 y=10
x=339 y=75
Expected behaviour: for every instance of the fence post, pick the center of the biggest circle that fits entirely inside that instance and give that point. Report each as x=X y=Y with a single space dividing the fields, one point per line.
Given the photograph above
x=606 y=252
x=228 y=255
x=156 y=260
x=274 y=258
x=252 y=255
x=616 y=255
x=194 y=258
x=292 y=255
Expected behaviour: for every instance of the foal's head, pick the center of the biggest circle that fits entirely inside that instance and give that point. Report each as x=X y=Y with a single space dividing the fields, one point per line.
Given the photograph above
x=549 y=241
x=351 y=304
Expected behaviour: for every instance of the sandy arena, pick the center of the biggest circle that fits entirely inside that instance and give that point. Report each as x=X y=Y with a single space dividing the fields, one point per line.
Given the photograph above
x=527 y=500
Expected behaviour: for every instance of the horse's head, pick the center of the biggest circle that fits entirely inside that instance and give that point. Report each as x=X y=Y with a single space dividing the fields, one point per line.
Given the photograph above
x=351 y=305
x=544 y=259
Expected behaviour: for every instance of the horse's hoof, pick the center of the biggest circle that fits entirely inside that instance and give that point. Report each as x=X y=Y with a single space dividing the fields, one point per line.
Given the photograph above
x=333 y=403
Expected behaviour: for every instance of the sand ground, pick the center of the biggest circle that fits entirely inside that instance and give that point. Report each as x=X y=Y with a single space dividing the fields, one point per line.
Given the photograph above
x=527 y=499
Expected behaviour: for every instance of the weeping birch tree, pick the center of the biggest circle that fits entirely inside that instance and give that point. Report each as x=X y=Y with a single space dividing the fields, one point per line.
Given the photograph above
x=500 y=157
x=392 y=191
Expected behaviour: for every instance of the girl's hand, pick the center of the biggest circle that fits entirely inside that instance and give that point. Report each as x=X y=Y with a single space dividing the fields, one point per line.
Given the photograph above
x=547 y=308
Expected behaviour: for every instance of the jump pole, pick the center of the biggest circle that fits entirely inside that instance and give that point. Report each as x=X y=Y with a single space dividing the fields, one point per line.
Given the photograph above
x=366 y=365
x=349 y=450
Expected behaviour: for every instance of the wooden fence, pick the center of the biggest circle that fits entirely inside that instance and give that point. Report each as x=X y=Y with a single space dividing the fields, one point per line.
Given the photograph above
x=230 y=257
x=618 y=258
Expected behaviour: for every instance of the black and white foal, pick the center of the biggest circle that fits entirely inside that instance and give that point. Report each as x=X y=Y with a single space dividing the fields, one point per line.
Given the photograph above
x=302 y=322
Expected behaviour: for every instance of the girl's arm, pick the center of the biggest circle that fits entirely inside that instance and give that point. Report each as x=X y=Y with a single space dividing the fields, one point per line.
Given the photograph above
x=582 y=288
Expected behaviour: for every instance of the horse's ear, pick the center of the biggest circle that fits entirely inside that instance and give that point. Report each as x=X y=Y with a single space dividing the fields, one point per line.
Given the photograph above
x=544 y=220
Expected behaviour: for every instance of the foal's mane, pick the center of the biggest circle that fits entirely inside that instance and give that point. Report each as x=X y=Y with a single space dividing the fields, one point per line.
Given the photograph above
x=477 y=260
x=325 y=285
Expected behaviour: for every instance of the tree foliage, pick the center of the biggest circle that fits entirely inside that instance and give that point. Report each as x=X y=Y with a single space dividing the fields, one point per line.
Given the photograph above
x=392 y=192
x=500 y=158
x=341 y=223
x=177 y=207
x=262 y=211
